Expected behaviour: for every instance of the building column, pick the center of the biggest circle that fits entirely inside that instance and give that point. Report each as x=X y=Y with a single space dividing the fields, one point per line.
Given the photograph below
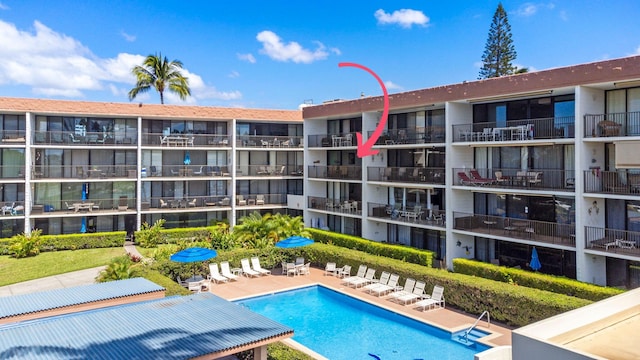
x=28 y=165
x=231 y=165
x=260 y=353
x=138 y=176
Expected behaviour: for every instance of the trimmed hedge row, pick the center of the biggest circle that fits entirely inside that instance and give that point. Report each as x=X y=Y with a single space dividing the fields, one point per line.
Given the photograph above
x=556 y=284
x=507 y=303
x=171 y=236
x=398 y=252
x=73 y=241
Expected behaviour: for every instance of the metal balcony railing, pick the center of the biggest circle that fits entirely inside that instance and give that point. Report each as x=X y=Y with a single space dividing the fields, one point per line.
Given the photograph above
x=270 y=141
x=181 y=171
x=70 y=138
x=341 y=206
x=408 y=214
x=11 y=172
x=533 y=179
x=332 y=140
x=612 y=240
x=269 y=170
x=186 y=140
x=10 y=137
x=417 y=175
x=418 y=135
x=84 y=207
x=260 y=200
x=612 y=124
x=344 y=172
x=13 y=207
x=516 y=130
x=623 y=182
x=535 y=230
x=40 y=172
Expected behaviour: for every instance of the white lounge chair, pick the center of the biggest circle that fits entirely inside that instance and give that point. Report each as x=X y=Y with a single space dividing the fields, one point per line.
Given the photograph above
x=247 y=270
x=344 y=271
x=435 y=300
x=384 y=279
x=226 y=271
x=391 y=285
x=214 y=274
x=330 y=269
x=362 y=270
x=409 y=284
x=368 y=278
x=255 y=262
x=416 y=294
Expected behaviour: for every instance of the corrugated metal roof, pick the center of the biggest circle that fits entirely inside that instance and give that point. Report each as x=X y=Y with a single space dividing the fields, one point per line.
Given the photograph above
x=54 y=299
x=169 y=328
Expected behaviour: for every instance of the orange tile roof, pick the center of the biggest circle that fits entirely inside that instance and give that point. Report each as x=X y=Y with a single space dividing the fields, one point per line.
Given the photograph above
x=91 y=108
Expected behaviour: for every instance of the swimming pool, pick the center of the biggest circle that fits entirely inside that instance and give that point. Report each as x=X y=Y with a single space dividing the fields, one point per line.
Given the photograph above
x=339 y=326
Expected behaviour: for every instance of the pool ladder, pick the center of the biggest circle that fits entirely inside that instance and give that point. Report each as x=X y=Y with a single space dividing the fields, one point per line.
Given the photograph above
x=466 y=333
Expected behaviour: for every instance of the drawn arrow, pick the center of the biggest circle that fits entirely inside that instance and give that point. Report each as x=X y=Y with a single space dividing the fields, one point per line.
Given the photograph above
x=366 y=148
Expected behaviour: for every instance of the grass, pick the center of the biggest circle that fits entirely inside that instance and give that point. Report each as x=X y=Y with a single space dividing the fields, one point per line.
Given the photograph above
x=52 y=263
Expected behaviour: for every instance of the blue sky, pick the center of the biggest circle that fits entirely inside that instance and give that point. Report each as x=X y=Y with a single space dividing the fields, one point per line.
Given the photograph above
x=278 y=54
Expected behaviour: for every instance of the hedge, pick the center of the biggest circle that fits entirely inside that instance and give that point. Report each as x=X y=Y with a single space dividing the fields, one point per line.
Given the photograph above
x=556 y=284
x=73 y=241
x=393 y=251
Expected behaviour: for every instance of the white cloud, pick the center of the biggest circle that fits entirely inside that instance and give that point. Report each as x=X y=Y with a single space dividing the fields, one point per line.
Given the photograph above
x=403 y=17
x=3 y=7
x=54 y=64
x=392 y=86
x=233 y=74
x=273 y=47
x=530 y=9
x=247 y=57
x=128 y=37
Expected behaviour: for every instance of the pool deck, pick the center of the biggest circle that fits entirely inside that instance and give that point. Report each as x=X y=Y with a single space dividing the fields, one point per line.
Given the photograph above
x=447 y=319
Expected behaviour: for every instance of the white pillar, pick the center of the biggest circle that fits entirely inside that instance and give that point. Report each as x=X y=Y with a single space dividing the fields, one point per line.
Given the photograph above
x=28 y=196
x=138 y=176
x=260 y=353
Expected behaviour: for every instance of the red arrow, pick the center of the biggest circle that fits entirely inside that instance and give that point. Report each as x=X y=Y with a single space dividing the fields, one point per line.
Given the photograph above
x=366 y=148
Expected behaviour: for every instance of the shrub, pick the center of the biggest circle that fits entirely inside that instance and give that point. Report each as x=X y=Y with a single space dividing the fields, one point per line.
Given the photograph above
x=120 y=268
x=556 y=284
x=82 y=241
x=149 y=235
x=23 y=245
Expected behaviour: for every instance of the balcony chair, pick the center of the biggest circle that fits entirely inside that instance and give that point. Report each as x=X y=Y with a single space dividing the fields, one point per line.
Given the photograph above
x=241 y=200
x=123 y=203
x=225 y=202
x=199 y=172
x=259 y=199
x=163 y=204
x=192 y=203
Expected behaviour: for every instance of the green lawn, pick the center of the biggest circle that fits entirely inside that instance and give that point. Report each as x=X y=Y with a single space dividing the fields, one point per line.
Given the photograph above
x=52 y=263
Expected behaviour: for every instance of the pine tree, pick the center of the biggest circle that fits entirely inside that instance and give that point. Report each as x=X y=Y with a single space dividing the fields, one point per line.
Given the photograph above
x=499 y=51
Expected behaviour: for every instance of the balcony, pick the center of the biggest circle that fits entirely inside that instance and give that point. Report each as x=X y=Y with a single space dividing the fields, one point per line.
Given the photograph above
x=12 y=137
x=332 y=140
x=12 y=171
x=269 y=170
x=260 y=200
x=221 y=202
x=516 y=130
x=42 y=172
x=69 y=138
x=186 y=140
x=533 y=179
x=270 y=141
x=413 y=175
x=12 y=208
x=420 y=135
x=613 y=124
x=408 y=214
x=338 y=206
x=612 y=241
x=539 y=231
x=84 y=207
x=612 y=182
x=335 y=172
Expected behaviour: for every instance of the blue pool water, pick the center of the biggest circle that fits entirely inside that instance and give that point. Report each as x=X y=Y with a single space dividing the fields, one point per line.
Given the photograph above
x=338 y=326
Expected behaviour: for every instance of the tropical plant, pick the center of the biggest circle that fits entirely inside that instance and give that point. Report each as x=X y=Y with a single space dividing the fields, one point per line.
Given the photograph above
x=286 y=226
x=120 y=268
x=255 y=231
x=499 y=51
x=221 y=237
x=23 y=245
x=150 y=235
x=161 y=74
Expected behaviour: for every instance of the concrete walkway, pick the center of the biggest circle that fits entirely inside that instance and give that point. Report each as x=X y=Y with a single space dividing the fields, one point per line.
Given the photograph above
x=75 y=278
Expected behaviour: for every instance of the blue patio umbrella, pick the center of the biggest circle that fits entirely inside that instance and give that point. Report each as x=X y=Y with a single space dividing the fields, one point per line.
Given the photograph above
x=83 y=225
x=84 y=192
x=193 y=255
x=534 y=264
x=294 y=241
x=187 y=158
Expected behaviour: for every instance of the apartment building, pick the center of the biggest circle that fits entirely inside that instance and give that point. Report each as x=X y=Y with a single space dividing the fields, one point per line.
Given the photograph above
x=491 y=169
x=75 y=167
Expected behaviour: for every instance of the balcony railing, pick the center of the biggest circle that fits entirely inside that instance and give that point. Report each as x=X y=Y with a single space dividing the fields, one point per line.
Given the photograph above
x=341 y=206
x=612 y=240
x=10 y=137
x=193 y=170
x=89 y=138
x=417 y=175
x=540 y=231
x=533 y=179
x=420 y=135
x=332 y=140
x=40 y=172
x=270 y=141
x=269 y=170
x=516 y=130
x=612 y=182
x=613 y=124
x=261 y=200
x=187 y=202
x=408 y=214
x=335 y=172
x=13 y=208
x=186 y=140
x=11 y=172
x=87 y=206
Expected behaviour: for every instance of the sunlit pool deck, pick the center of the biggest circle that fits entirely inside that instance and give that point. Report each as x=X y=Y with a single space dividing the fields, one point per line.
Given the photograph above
x=447 y=319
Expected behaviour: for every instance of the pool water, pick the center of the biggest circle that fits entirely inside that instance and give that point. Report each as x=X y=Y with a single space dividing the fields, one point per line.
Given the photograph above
x=339 y=326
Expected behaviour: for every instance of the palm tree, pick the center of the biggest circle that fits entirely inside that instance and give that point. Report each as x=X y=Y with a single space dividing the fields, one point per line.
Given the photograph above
x=255 y=231
x=161 y=74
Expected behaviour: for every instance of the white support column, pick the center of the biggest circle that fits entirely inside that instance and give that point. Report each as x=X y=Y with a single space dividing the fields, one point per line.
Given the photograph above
x=139 y=174
x=28 y=195
x=260 y=353
x=231 y=166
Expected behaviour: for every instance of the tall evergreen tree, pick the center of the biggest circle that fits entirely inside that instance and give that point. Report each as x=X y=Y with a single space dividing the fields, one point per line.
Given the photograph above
x=499 y=52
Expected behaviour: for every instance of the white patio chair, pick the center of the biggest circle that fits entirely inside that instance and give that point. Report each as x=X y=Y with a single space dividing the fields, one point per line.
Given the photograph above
x=226 y=271
x=247 y=270
x=255 y=262
x=214 y=274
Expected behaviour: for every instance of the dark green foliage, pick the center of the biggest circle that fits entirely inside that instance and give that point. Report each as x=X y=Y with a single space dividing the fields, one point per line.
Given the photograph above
x=499 y=51
x=150 y=235
x=399 y=252
x=171 y=287
x=23 y=245
x=120 y=268
x=556 y=284
x=73 y=241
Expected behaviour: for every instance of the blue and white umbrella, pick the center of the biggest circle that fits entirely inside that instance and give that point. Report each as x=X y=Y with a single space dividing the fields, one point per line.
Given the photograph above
x=294 y=241
x=187 y=158
x=193 y=255
x=534 y=264
x=83 y=225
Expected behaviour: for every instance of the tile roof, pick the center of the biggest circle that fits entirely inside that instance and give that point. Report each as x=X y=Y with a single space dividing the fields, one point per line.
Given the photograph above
x=11 y=306
x=169 y=328
x=89 y=108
